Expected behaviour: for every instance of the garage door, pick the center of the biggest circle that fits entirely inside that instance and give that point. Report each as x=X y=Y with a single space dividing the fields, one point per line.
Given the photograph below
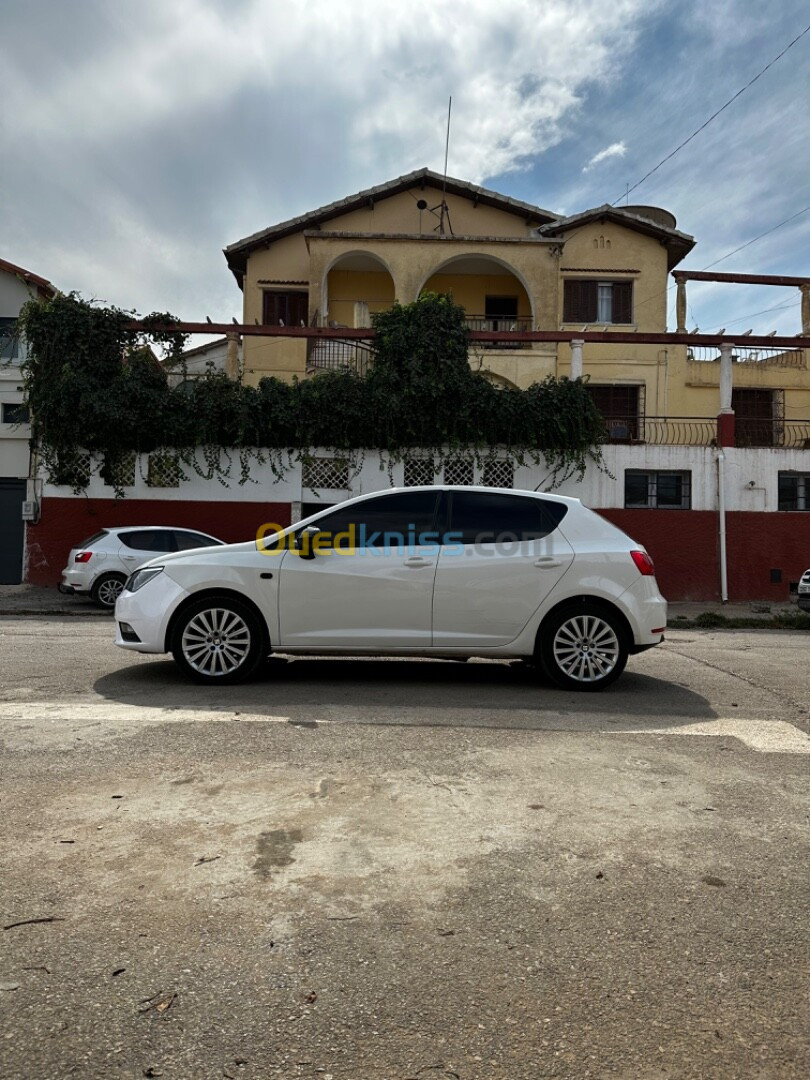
x=12 y=493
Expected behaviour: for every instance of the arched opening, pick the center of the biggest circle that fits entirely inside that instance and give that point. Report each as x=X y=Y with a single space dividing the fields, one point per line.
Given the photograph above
x=492 y=293
x=356 y=285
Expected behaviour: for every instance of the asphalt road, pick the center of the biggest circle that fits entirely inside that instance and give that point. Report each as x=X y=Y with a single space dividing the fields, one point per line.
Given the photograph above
x=387 y=870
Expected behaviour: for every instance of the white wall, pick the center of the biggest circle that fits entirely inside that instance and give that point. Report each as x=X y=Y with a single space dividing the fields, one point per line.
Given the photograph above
x=598 y=489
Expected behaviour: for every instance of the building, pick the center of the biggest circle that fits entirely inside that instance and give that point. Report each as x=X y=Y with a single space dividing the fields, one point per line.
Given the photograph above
x=16 y=287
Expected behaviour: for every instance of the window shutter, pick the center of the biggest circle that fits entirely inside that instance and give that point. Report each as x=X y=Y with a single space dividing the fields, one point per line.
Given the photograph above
x=579 y=301
x=622 y=301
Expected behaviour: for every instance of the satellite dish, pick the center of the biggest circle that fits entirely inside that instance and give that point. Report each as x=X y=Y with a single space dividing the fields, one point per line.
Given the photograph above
x=421 y=205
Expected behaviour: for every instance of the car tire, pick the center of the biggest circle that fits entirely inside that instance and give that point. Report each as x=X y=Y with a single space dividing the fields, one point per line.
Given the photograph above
x=106 y=590
x=583 y=647
x=218 y=640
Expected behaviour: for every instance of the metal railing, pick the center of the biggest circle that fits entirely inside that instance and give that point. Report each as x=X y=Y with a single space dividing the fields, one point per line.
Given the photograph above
x=743 y=354
x=758 y=431
x=517 y=324
x=662 y=430
x=702 y=431
x=331 y=354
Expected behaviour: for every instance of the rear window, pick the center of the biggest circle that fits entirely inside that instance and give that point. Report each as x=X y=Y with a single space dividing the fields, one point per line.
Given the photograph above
x=489 y=517
x=94 y=539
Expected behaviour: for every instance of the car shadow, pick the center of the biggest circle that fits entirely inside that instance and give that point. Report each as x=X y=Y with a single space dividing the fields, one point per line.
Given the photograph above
x=424 y=693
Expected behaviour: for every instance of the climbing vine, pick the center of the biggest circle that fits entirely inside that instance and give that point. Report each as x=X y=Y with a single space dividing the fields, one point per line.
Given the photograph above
x=96 y=386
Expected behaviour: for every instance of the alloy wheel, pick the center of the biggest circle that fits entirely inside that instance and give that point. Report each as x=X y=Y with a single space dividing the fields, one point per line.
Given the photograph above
x=586 y=648
x=215 y=642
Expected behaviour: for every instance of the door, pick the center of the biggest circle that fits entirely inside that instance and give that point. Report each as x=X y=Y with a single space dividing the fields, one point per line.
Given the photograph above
x=501 y=556
x=12 y=530
x=369 y=582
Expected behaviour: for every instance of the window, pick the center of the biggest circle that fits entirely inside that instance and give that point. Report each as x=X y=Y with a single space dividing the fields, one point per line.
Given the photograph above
x=486 y=517
x=794 y=491
x=622 y=407
x=16 y=413
x=758 y=419
x=396 y=515
x=287 y=308
x=500 y=312
x=657 y=490
x=323 y=472
x=158 y=540
x=185 y=541
x=9 y=342
x=597 y=301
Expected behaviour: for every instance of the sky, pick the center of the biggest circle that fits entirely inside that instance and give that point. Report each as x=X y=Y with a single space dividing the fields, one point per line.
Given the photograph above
x=140 y=137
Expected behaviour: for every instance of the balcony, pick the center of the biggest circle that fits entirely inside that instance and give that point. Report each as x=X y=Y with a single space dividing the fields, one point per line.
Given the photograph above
x=516 y=324
x=338 y=355
x=633 y=429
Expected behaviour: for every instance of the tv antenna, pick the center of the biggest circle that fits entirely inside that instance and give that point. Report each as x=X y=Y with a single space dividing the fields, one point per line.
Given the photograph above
x=444 y=211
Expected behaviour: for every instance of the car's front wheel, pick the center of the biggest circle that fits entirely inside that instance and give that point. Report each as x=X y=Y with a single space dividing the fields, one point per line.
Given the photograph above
x=583 y=647
x=106 y=590
x=218 y=640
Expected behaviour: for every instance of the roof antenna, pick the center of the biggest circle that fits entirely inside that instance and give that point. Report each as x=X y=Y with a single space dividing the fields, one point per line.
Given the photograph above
x=444 y=211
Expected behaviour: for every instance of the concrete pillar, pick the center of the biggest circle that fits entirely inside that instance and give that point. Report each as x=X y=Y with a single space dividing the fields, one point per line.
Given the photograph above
x=232 y=355
x=576 y=359
x=680 y=304
x=726 y=378
x=805 y=291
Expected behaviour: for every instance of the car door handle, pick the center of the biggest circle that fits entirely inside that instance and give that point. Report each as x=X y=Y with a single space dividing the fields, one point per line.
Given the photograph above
x=547 y=562
x=417 y=561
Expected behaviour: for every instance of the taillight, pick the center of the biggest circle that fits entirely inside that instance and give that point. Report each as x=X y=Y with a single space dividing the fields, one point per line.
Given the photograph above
x=83 y=556
x=643 y=562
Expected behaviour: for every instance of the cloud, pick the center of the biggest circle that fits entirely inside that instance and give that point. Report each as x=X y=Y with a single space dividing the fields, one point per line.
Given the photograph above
x=139 y=138
x=617 y=149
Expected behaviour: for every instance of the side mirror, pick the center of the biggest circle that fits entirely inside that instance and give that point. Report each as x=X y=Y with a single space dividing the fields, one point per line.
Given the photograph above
x=304 y=541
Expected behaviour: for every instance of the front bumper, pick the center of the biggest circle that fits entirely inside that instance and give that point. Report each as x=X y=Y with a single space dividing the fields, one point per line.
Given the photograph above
x=148 y=612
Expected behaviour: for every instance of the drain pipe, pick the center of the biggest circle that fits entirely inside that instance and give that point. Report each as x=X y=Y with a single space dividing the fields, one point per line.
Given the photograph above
x=721 y=510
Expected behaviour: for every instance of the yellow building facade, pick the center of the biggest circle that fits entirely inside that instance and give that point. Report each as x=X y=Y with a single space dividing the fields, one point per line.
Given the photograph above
x=513 y=267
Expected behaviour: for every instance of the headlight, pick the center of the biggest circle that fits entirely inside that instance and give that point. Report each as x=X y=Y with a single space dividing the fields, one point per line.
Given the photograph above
x=140 y=577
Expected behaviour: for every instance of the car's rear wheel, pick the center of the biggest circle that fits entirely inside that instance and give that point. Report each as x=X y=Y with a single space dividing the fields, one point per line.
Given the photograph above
x=583 y=647
x=106 y=590
x=218 y=640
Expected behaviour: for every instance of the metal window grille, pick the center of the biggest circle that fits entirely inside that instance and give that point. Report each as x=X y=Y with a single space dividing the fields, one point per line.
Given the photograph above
x=419 y=471
x=323 y=472
x=164 y=471
x=794 y=491
x=657 y=490
x=71 y=470
x=122 y=471
x=498 y=473
x=459 y=471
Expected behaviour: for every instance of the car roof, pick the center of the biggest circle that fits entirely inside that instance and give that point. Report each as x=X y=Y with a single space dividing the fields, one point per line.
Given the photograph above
x=480 y=488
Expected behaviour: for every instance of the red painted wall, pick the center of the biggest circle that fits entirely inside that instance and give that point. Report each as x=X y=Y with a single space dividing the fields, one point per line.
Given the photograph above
x=64 y=523
x=685 y=545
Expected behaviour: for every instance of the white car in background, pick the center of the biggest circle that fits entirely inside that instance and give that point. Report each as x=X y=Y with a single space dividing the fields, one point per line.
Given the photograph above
x=102 y=564
x=441 y=571
x=803 y=597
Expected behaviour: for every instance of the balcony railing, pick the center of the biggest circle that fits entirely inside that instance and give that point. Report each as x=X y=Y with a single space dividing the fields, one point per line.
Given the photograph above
x=517 y=324
x=702 y=431
x=662 y=430
x=342 y=354
x=742 y=354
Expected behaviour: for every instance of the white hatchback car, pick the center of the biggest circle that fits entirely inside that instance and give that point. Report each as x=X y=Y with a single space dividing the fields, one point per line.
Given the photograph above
x=425 y=571
x=102 y=564
x=804 y=591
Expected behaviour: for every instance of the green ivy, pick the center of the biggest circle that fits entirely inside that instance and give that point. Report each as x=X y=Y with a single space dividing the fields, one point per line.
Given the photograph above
x=95 y=385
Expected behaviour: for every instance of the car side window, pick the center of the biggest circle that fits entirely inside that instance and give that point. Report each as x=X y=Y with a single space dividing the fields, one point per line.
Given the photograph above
x=390 y=521
x=489 y=517
x=188 y=540
x=161 y=541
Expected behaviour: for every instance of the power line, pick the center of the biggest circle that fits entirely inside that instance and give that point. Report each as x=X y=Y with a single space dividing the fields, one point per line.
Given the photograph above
x=712 y=117
x=750 y=242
